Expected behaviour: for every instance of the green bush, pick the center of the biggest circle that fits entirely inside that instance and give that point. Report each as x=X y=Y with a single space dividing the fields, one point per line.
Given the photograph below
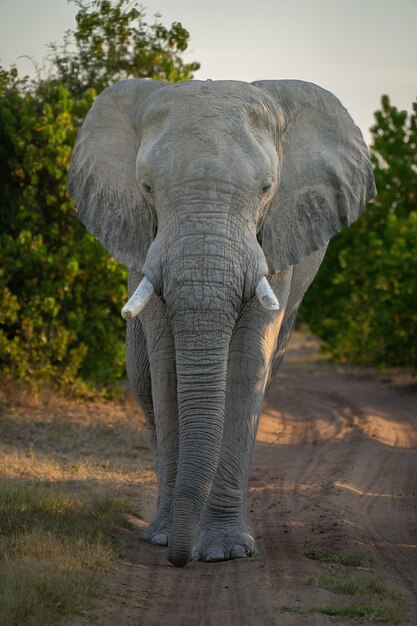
x=60 y=291
x=363 y=302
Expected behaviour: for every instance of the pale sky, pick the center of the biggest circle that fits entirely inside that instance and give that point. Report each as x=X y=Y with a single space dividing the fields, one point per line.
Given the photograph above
x=358 y=49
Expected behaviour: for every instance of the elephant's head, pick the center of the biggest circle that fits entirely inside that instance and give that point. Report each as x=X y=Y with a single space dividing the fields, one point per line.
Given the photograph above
x=206 y=188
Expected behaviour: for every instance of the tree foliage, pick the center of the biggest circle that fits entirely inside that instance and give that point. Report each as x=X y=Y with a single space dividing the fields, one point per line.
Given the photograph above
x=114 y=42
x=60 y=290
x=363 y=302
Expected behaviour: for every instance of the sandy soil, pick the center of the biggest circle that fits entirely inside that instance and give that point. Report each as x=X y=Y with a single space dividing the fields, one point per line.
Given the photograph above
x=334 y=470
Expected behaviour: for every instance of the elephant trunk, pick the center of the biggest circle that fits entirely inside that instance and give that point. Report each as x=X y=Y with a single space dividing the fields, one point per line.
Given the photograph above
x=201 y=360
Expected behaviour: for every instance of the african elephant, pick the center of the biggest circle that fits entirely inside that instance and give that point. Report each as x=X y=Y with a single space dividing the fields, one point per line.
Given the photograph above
x=222 y=197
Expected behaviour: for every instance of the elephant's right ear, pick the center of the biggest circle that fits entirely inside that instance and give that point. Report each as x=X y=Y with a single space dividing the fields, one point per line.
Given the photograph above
x=102 y=177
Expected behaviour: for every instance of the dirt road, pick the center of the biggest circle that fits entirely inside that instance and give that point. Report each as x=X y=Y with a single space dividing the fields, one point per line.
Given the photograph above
x=334 y=505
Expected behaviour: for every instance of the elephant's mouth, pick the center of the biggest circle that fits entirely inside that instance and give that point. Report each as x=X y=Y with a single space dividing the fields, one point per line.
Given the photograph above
x=144 y=291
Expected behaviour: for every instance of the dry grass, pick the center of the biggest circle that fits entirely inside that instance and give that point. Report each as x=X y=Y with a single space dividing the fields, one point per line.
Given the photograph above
x=55 y=439
x=59 y=461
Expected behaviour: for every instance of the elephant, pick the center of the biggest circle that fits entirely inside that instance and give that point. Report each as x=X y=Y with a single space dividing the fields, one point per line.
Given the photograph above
x=220 y=197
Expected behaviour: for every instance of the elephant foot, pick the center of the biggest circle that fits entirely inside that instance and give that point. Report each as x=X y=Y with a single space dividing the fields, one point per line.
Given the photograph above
x=157 y=532
x=224 y=543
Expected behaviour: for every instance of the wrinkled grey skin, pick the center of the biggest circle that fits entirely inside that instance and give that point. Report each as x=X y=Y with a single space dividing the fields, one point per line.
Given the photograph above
x=205 y=187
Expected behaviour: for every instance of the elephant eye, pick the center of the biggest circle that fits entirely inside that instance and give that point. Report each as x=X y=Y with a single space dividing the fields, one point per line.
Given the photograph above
x=266 y=186
x=147 y=187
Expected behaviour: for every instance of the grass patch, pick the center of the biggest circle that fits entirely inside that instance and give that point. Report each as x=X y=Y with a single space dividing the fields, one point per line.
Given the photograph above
x=340 y=558
x=288 y=608
x=385 y=614
x=55 y=548
x=374 y=600
x=382 y=614
x=354 y=586
x=390 y=607
x=42 y=593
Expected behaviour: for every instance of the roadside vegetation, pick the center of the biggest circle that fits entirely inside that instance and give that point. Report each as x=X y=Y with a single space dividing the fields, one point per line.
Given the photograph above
x=55 y=548
x=70 y=474
x=348 y=559
x=356 y=590
x=61 y=292
x=363 y=302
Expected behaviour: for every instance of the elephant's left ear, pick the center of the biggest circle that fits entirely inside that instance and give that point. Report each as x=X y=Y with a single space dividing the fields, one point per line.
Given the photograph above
x=326 y=177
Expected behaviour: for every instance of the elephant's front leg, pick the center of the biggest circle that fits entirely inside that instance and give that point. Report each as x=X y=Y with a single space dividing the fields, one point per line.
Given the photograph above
x=225 y=532
x=164 y=396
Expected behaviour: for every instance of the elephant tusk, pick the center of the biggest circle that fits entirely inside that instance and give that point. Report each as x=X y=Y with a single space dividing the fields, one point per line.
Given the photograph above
x=266 y=296
x=138 y=300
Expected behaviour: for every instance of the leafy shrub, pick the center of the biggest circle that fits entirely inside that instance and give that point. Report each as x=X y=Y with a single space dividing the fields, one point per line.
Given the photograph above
x=363 y=302
x=61 y=292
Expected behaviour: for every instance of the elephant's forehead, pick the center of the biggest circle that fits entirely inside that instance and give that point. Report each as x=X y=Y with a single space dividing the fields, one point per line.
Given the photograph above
x=222 y=103
x=218 y=91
